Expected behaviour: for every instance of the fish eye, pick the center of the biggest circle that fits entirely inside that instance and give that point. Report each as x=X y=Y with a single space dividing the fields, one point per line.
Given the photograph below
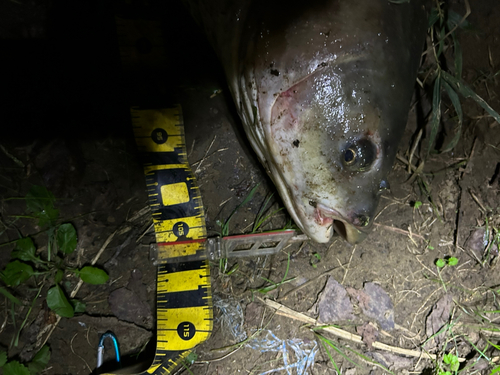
x=349 y=156
x=359 y=155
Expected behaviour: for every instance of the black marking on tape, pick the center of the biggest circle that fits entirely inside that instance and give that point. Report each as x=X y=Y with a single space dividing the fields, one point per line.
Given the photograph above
x=187 y=298
x=181 y=229
x=184 y=266
x=186 y=330
x=167 y=177
x=159 y=158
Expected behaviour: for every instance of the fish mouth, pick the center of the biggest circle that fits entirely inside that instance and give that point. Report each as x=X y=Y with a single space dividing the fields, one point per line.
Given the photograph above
x=352 y=230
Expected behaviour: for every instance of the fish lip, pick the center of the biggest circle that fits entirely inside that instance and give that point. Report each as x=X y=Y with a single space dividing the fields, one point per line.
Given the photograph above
x=324 y=215
x=343 y=226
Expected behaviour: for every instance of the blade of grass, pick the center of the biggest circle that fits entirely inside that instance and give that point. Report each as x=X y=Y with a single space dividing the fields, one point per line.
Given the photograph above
x=326 y=342
x=458 y=109
x=261 y=219
x=464 y=90
x=267 y=289
x=15 y=339
x=225 y=226
x=436 y=112
x=337 y=347
x=9 y=295
x=328 y=352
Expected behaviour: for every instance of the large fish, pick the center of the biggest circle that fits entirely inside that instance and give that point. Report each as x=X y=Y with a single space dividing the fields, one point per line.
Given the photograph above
x=323 y=89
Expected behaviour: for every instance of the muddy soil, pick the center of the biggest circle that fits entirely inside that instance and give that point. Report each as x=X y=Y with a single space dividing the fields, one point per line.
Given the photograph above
x=66 y=126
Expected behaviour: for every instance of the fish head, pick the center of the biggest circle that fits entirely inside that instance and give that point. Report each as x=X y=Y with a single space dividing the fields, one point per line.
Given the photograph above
x=331 y=145
x=324 y=99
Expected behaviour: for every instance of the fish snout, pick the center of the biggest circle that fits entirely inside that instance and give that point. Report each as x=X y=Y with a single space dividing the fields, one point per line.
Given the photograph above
x=353 y=227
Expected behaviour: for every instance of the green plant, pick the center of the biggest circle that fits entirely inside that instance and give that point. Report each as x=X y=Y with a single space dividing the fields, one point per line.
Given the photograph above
x=225 y=225
x=443 y=26
x=450 y=261
x=342 y=350
x=314 y=260
x=450 y=362
x=188 y=361
x=27 y=264
x=492 y=237
x=262 y=217
x=223 y=264
x=36 y=365
x=441 y=263
x=496 y=370
x=273 y=286
x=443 y=73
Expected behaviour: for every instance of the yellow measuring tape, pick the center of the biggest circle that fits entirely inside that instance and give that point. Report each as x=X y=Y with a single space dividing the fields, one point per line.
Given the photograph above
x=184 y=301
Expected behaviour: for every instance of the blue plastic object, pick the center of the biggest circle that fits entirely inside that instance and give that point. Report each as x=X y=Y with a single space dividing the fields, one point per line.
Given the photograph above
x=100 y=348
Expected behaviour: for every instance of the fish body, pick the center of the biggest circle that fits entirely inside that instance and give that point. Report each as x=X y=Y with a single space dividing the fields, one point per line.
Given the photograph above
x=323 y=91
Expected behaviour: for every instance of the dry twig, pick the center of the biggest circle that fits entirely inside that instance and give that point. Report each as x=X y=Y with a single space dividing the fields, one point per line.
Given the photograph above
x=285 y=311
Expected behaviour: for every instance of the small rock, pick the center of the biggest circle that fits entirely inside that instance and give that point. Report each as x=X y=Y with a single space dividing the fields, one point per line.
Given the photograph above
x=333 y=304
x=369 y=334
x=436 y=320
x=375 y=303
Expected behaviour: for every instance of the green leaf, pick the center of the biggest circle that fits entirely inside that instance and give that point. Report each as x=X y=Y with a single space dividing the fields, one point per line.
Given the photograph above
x=496 y=370
x=433 y=17
x=191 y=358
x=442 y=33
x=59 y=276
x=459 y=86
x=78 y=305
x=417 y=204
x=436 y=112
x=225 y=226
x=57 y=301
x=440 y=263
x=66 y=238
x=458 y=109
x=9 y=295
x=3 y=358
x=458 y=57
x=233 y=269
x=452 y=261
x=93 y=275
x=25 y=250
x=451 y=360
x=454 y=19
x=40 y=361
x=447 y=358
x=16 y=272
x=15 y=368
x=40 y=202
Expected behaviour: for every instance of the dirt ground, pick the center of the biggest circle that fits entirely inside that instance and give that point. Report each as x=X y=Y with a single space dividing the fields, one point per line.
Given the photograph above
x=66 y=126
